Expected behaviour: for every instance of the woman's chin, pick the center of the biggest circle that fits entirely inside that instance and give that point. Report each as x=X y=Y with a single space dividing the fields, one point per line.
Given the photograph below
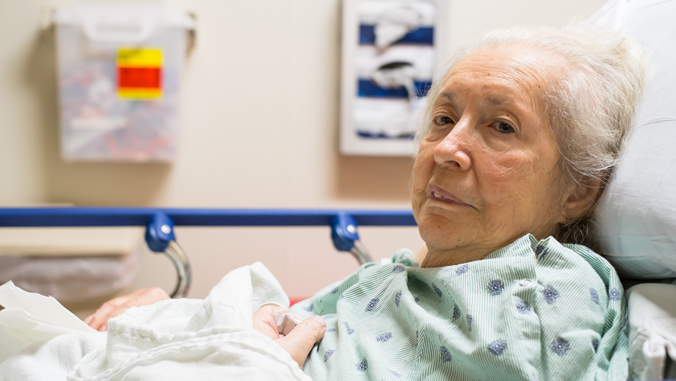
x=443 y=234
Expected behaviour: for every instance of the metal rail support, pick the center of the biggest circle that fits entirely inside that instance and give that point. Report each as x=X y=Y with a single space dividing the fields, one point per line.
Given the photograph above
x=346 y=238
x=161 y=238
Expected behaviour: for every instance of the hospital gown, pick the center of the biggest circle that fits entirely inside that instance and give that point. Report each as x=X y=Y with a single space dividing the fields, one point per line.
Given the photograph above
x=534 y=310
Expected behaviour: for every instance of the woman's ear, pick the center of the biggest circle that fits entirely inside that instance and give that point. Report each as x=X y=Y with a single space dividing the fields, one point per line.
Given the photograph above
x=581 y=199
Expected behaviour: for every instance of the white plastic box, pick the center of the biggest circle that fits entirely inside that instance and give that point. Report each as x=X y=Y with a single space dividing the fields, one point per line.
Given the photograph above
x=119 y=74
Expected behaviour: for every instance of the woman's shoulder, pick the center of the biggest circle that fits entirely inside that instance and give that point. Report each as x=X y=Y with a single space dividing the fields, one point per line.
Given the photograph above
x=574 y=256
x=595 y=260
x=580 y=304
x=581 y=271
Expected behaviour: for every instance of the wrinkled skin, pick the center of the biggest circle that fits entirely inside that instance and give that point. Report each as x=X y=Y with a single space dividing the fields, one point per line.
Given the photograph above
x=299 y=341
x=487 y=170
x=142 y=297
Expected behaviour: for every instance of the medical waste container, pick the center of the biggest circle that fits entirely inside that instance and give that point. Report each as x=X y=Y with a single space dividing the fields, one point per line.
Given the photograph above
x=119 y=76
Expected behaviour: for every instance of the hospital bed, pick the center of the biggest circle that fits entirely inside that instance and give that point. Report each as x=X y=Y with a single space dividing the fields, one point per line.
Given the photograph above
x=160 y=237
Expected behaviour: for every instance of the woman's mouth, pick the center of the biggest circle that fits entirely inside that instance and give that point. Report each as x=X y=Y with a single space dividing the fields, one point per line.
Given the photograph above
x=437 y=193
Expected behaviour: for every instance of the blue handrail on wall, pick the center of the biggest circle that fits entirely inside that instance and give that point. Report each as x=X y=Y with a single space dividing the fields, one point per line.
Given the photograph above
x=160 y=222
x=111 y=216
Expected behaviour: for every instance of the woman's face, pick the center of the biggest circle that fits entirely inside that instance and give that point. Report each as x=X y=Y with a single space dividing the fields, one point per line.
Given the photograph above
x=486 y=170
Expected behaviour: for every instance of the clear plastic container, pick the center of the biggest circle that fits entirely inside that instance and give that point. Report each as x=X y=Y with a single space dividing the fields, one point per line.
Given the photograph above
x=119 y=73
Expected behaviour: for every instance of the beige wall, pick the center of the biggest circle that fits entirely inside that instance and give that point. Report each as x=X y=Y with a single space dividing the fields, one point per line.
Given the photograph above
x=259 y=129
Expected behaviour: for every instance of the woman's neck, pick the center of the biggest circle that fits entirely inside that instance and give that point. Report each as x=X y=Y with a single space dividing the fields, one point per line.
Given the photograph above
x=451 y=257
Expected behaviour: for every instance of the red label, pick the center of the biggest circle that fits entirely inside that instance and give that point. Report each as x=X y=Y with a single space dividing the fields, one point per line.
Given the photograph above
x=139 y=77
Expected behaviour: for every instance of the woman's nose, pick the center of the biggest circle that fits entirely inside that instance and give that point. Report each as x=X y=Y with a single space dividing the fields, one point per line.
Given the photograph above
x=453 y=151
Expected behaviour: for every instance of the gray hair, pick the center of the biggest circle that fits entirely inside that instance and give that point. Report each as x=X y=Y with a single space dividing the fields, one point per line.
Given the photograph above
x=590 y=110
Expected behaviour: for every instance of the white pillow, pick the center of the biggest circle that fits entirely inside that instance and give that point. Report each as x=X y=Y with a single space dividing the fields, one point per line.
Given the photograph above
x=638 y=210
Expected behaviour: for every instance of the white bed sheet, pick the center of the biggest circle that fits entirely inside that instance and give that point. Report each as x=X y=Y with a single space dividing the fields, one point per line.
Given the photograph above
x=209 y=339
x=652 y=338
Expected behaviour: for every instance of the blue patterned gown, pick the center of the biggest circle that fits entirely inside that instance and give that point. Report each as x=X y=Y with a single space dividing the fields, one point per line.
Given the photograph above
x=534 y=310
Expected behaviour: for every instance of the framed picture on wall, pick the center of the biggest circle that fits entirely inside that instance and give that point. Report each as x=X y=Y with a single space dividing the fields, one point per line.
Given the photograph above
x=390 y=51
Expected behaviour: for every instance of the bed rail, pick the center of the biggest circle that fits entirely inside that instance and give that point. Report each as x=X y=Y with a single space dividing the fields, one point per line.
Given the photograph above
x=160 y=222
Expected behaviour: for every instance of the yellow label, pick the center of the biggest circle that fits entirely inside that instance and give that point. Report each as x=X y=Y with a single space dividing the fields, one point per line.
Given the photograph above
x=139 y=73
x=129 y=57
x=139 y=94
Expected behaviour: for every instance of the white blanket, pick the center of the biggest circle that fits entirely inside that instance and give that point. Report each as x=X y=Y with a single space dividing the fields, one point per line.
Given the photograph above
x=170 y=340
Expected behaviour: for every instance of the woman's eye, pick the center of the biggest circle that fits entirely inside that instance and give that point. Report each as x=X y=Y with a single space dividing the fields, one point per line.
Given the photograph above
x=443 y=120
x=503 y=127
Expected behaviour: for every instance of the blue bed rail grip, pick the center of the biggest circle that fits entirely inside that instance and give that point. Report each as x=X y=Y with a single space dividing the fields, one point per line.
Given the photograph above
x=420 y=36
x=159 y=232
x=344 y=232
x=113 y=216
x=161 y=238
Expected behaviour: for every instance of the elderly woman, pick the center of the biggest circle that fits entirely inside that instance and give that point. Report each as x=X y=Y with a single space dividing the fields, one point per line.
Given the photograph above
x=519 y=137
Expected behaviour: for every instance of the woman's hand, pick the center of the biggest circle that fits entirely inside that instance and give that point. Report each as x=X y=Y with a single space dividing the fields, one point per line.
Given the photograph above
x=299 y=341
x=112 y=308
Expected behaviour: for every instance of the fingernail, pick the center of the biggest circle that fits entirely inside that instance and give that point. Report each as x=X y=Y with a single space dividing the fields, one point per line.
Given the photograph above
x=318 y=319
x=103 y=328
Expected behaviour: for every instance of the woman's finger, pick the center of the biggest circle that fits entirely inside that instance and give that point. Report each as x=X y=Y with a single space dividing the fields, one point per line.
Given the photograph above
x=147 y=296
x=115 y=307
x=264 y=321
x=108 y=310
x=301 y=339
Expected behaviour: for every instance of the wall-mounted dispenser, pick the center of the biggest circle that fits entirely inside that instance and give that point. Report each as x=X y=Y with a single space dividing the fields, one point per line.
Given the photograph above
x=119 y=74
